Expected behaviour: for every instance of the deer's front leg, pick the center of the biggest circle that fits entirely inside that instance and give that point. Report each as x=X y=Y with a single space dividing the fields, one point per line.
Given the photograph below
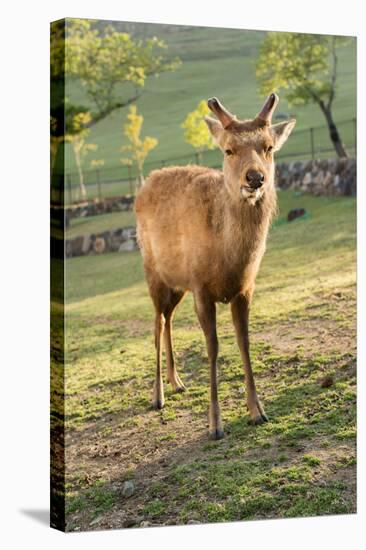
x=206 y=313
x=240 y=313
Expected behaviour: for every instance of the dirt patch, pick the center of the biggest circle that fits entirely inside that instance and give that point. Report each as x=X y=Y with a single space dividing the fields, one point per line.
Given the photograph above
x=320 y=334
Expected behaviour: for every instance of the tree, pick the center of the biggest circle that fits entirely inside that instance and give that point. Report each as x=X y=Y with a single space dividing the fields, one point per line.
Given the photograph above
x=97 y=164
x=111 y=66
x=77 y=138
x=138 y=148
x=305 y=67
x=196 y=131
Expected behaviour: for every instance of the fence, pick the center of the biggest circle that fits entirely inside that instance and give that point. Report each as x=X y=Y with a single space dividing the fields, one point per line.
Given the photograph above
x=119 y=180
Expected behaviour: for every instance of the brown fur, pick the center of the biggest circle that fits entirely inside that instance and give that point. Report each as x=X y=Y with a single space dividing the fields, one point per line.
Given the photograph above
x=203 y=230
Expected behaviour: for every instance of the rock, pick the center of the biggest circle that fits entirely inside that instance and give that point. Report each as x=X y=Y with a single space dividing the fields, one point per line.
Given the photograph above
x=128 y=488
x=307 y=179
x=308 y=165
x=96 y=520
x=129 y=232
x=295 y=213
x=193 y=522
x=85 y=248
x=145 y=524
x=130 y=522
x=319 y=178
x=128 y=246
x=327 y=179
x=116 y=239
x=327 y=381
x=99 y=245
x=76 y=246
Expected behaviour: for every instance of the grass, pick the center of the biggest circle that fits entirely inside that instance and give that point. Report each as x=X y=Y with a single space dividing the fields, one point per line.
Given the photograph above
x=218 y=62
x=301 y=463
x=99 y=223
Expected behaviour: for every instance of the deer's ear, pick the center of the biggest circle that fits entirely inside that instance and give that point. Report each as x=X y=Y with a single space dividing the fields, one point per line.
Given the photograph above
x=281 y=132
x=214 y=126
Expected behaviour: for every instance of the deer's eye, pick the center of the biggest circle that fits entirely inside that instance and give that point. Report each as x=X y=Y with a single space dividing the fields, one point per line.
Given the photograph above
x=228 y=152
x=269 y=149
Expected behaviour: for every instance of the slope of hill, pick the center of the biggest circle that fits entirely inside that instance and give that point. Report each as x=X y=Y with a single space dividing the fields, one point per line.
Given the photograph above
x=218 y=62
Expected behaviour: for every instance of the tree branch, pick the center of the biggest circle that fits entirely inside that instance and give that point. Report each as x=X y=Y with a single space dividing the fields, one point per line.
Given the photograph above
x=334 y=74
x=311 y=92
x=96 y=117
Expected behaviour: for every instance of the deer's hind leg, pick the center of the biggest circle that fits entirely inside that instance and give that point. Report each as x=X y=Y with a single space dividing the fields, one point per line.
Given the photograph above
x=174 y=298
x=160 y=296
x=165 y=300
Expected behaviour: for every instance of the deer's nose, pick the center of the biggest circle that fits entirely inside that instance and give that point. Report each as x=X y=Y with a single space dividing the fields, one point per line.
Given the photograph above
x=255 y=179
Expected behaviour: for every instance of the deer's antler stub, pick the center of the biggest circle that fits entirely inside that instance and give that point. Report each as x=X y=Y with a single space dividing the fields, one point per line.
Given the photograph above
x=224 y=116
x=268 y=108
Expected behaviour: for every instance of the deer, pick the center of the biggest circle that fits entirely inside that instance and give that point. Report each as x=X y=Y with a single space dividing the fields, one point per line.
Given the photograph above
x=204 y=231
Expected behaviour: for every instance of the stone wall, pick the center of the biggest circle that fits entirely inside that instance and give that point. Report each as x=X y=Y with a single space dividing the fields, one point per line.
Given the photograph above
x=320 y=177
x=95 y=207
x=118 y=240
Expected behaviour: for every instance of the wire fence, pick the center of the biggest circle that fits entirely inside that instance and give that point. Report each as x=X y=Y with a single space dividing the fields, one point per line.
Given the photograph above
x=100 y=183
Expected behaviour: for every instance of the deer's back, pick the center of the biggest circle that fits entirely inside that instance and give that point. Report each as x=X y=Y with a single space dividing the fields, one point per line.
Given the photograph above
x=178 y=210
x=177 y=183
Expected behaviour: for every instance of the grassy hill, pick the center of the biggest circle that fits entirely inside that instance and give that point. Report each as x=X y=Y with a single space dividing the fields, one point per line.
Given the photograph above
x=218 y=62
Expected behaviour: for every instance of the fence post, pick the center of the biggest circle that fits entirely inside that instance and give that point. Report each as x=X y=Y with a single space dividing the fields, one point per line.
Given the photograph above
x=69 y=188
x=312 y=143
x=98 y=184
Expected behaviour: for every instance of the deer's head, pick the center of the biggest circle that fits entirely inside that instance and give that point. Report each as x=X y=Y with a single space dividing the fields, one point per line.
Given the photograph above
x=248 y=147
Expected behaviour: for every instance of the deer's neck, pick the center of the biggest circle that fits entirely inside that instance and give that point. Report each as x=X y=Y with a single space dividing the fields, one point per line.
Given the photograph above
x=246 y=226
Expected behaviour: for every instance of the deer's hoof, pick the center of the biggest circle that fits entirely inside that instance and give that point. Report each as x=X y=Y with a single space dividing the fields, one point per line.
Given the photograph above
x=177 y=385
x=158 y=404
x=258 y=420
x=216 y=434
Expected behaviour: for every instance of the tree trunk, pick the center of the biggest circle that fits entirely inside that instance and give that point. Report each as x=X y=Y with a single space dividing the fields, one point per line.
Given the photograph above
x=140 y=181
x=140 y=178
x=81 y=175
x=333 y=132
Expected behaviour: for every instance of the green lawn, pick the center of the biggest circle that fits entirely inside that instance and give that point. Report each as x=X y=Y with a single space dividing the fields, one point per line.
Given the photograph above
x=100 y=223
x=218 y=62
x=302 y=463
